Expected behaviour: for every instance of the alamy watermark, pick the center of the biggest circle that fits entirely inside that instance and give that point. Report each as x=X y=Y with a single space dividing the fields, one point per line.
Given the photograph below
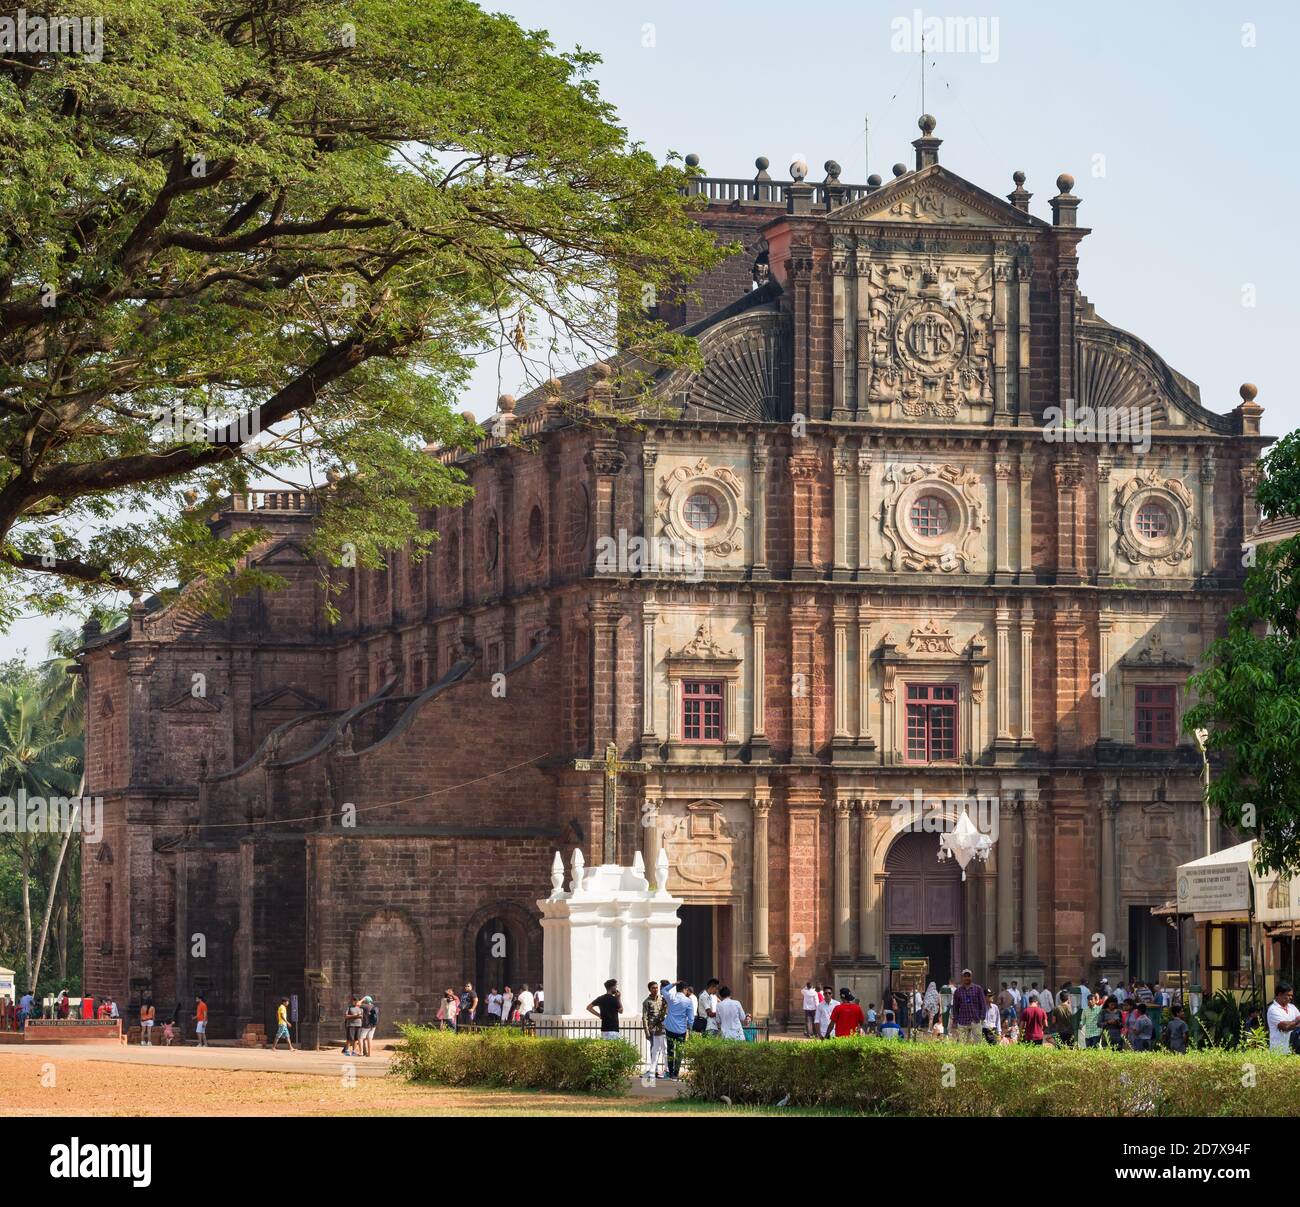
x=922 y=814
x=39 y=34
x=1074 y=424
x=23 y=814
x=951 y=35
x=635 y=554
x=210 y=427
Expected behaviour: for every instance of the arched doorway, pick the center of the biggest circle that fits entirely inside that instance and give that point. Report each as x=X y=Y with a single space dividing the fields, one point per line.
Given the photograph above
x=496 y=956
x=923 y=907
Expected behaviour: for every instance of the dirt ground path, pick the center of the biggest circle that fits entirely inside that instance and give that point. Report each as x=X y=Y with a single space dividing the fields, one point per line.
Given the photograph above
x=76 y=1082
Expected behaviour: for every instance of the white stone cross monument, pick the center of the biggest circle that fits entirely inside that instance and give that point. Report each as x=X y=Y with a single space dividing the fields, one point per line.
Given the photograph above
x=610 y=923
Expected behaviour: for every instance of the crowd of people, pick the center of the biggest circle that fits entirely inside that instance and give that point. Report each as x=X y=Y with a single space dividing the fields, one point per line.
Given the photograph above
x=1119 y=1018
x=494 y=1009
x=671 y=1012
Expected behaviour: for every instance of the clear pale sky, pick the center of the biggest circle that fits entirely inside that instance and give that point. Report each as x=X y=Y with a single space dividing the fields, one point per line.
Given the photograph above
x=1181 y=138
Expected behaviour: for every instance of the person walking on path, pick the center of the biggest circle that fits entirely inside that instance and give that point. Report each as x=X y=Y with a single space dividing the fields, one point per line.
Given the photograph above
x=654 y=1009
x=147 y=1014
x=607 y=1007
x=968 y=1009
x=200 y=1019
x=352 y=1028
x=810 y=999
x=282 y=1026
x=825 y=1005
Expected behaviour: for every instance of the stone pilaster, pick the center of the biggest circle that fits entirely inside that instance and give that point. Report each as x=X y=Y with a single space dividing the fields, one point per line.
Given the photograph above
x=761 y=967
x=1029 y=936
x=649 y=616
x=1206 y=552
x=648 y=458
x=758 y=508
x=842 y=921
x=864 y=511
x=1027 y=674
x=1002 y=472
x=758 y=745
x=1104 y=532
x=1006 y=857
x=1026 y=565
x=843 y=464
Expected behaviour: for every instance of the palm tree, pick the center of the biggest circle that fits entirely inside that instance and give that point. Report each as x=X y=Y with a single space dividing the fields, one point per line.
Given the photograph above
x=65 y=702
x=37 y=757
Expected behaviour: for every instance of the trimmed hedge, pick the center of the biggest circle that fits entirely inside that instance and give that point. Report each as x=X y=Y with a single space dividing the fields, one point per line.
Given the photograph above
x=506 y=1057
x=880 y=1076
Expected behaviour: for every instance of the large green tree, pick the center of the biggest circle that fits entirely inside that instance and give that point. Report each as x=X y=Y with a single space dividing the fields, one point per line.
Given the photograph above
x=258 y=242
x=1249 y=693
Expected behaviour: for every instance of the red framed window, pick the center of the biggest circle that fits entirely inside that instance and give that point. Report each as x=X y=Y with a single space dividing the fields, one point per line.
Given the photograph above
x=1154 y=720
x=702 y=710
x=931 y=722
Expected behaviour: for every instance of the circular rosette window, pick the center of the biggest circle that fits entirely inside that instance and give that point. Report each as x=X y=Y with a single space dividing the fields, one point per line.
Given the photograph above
x=1154 y=525
x=705 y=512
x=931 y=520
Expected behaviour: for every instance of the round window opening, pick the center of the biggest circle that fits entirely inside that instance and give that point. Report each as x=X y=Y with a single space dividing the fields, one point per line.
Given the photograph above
x=701 y=511
x=1152 y=522
x=929 y=516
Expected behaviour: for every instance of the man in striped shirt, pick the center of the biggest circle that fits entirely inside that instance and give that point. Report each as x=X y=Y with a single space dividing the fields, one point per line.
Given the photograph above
x=968 y=1009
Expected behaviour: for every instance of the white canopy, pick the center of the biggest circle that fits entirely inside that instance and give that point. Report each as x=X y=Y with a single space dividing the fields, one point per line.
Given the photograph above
x=1218 y=887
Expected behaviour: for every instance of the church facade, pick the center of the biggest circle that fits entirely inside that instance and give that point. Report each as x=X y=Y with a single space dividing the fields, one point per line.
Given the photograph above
x=924 y=535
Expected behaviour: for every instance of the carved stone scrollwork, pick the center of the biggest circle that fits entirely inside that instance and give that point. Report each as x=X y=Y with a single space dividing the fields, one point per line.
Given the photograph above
x=723 y=487
x=959 y=490
x=606 y=462
x=1141 y=550
x=931 y=334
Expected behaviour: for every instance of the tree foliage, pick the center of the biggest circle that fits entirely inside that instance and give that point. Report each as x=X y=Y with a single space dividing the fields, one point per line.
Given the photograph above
x=263 y=242
x=1249 y=693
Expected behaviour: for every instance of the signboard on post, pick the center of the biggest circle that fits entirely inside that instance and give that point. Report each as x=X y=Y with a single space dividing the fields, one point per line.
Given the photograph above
x=1214 y=888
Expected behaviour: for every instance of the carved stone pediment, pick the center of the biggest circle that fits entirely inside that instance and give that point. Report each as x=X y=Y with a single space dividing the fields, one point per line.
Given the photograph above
x=931 y=639
x=188 y=703
x=288 y=697
x=703 y=648
x=934 y=196
x=1154 y=654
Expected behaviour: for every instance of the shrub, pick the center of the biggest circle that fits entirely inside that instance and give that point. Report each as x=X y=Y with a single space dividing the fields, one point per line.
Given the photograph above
x=506 y=1057
x=891 y=1077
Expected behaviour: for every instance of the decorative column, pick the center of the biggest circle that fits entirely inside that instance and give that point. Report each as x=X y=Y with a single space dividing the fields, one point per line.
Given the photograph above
x=864 y=675
x=804 y=470
x=1027 y=673
x=648 y=458
x=1067 y=476
x=1030 y=938
x=1024 y=411
x=1109 y=897
x=649 y=616
x=867 y=938
x=1103 y=668
x=1026 y=568
x=864 y=510
x=1006 y=886
x=758 y=508
x=762 y=968
x=1001 y=306
x=1002 y=472
x=1104 y=467
x=1002 y=625
x=1205 y=539
x=842 y=616
x=843 y=463
x=650 y=829
x=842 y=923
x=758 y=747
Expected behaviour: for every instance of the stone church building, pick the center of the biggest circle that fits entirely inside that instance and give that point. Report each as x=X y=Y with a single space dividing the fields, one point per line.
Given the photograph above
x=850 y=564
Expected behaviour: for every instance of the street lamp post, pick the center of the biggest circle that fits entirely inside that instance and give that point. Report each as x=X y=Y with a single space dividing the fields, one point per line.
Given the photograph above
x=1202 y=740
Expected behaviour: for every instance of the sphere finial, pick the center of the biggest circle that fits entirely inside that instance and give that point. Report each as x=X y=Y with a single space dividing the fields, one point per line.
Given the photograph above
x=1065 y=182
x=927 y=123
x=1248 y=391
